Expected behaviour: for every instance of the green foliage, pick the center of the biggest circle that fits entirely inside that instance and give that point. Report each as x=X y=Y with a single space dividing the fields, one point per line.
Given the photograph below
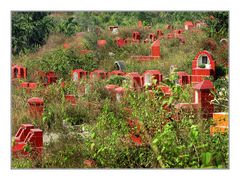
x=202 y=66
x=29 y=30
x=77 y=115
x=117 y=80
x=221 y=94
x=192 y=148
x=22 y=163
x=221 y=71
x=218 y=24
x=114 y=145
x=62 y=61
x=68 y=26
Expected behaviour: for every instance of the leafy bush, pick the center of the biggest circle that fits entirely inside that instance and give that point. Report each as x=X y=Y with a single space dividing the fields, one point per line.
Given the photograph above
x=77 y=115
x=62 y=61
x=221 y=94
x=68 y=25
x=117 y=80
x=221 y=71
x=29 y=30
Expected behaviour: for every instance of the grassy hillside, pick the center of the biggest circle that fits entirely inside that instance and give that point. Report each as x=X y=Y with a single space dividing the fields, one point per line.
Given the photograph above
x=97 y=128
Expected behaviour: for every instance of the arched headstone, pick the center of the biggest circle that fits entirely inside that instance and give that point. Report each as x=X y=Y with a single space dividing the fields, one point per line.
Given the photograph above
x=120 y=65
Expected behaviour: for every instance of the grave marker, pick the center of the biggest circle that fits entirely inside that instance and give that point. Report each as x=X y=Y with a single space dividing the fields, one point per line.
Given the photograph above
x=203 y=66
x=203 y=97
x=19 y=72
x=78 y=74
x=98 y=74
x=188 y=25
x=35 y=106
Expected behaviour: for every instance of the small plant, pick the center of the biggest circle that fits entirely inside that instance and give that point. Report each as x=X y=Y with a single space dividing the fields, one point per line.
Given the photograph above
x=221 y=94
x=202 y=66
x=76 y=115
x=117 y=80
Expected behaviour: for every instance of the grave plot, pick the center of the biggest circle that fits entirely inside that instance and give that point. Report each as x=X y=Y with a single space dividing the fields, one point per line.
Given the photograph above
x=125 y=92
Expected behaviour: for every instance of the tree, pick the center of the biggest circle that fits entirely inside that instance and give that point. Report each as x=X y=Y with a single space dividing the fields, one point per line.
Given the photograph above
x=29 y=30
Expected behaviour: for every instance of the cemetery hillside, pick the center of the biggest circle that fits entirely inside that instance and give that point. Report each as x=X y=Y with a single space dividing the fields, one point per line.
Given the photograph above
x=119 y=90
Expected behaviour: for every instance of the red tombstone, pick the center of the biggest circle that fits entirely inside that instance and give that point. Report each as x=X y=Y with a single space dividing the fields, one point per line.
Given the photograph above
x=140 y=25
x=160 y=34
x=165 y=90
x=155 y=48
x=71 y=99
x=200 y=24
x=66 y=46
x=78 y=74
x=203 y=65
x=101 y=43
x=188 y=25
x=111 y=90
x=111 y=87
x=218 y=129
x=135 y=130
x=24 y=84
x=136 y=36
x=23 y=132
x=134 y=125
x=169 y=27
x=203 y=97
x=119 y=93
x=33 y=85
x=120 y=42
x=127 y=41
x=135 y=80
x=89 y=163
x=28 y=85
x=181 y=39
x=116 y=72
x=151 y=75
x=34 y=139
x=152 y=37
x=146 y=41
x=62 y=84
x=155 y=53
x=136 y=139
x=184 y=78
x=98 y=74
x=170 y=36
x=50 y=78
x=19 y=72
x=178 y=32
x=36 y=106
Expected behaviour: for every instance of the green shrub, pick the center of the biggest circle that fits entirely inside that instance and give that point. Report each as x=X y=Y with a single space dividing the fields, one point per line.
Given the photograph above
x=63 y=61
x=67 y=25
x=117 y=80
x=221 y=71
x=29 y=31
